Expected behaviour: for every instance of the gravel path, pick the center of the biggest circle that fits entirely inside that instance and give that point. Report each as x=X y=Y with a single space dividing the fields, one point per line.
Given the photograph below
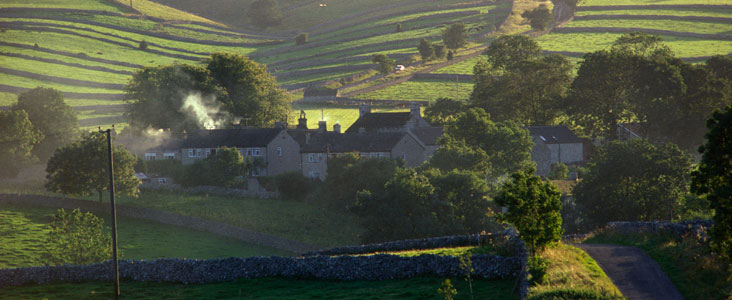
x=633 y=272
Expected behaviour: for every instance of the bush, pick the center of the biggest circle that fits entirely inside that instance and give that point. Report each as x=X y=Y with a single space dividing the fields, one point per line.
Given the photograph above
x=77 y=238
x=399 y=27
x=143 y=45
x=439 y=50
x=537 y=270
x=293 y=185
x=559 y=172
x=301 y=39
x=450 y=55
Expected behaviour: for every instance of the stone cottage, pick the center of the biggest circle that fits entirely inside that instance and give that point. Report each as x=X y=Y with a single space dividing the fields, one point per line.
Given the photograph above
x=554 y=144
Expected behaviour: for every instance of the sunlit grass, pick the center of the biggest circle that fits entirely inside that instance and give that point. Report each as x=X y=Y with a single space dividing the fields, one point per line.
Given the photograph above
x=697 y=12
x=25 y=230
x=153 y=9
x=671 y=25
x=573 y=274
x=332 y=113
x=463 y=67
x=422 y=90
x=648 y=2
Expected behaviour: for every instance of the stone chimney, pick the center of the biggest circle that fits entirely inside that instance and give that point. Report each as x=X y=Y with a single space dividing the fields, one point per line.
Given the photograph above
x=337 y=128
x=302 y=122
x=364 y=109
x=322 y=127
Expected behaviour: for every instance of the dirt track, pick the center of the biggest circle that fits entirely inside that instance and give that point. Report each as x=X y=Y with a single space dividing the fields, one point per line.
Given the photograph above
x=633 y=272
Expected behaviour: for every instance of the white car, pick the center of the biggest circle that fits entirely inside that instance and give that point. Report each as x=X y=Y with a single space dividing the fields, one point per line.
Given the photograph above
x=399 y=68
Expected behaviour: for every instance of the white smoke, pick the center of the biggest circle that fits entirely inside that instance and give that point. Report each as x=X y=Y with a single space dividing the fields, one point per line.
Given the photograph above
x=203 y=110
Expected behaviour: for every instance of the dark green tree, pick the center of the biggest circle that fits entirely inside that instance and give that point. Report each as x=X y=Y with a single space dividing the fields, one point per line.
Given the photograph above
x=386 y=64
x=301 y=39
x=509 y=97
x=713 y=180
x=456 y=155
x=264 y=13
x=77 y=238
x=17 y=138
x=539 y=18
x=439 y=50
x=50 y=115
x=224 y=167
x=349 y=173
x=634 y=181
x=507 y=144
x=455 y=36
x=80 y=168
x=507 y=50
x=251 y=93
x=293 y=185
x=165 y=97
x=534 y=208
x=464 y=203
x=425 y=50
x=443 y=111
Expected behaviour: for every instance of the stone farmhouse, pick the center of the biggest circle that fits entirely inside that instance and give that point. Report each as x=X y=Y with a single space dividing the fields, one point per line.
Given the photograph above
x=554 y=144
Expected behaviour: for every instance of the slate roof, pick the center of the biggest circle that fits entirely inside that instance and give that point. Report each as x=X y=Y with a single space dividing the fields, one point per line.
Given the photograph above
x=428 y=135
x=554 y=134
x=372 y=121
x=238 y=137
x=332 y=142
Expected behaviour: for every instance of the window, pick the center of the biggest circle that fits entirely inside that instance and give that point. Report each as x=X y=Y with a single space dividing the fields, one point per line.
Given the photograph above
x=372 y=154
x=162 y=181
x=150 y=156
x=381 y=154
x=404 y=155
x=208 y=152
x=311 y=157
x=279 y=151
x=169 y=155
x=249 y=151
x=256 y=151
x=198 y=152
x=190 y=153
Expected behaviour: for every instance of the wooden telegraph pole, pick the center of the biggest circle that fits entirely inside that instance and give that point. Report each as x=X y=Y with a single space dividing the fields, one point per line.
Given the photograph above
x=110 y=164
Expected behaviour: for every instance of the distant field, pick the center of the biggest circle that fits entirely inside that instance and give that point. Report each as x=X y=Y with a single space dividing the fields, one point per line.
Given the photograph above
x=647 y=2
x=343 y=115
x=25 y=229
x=422 y=90
x=589 y=42
x=463 y=67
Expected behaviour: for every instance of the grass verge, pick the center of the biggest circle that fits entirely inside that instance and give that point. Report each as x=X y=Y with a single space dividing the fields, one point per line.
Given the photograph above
x=573 y=274
x=690 y=265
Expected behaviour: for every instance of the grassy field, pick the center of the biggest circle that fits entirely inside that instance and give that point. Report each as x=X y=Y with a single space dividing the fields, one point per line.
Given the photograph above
x=655 y=2
x=422 y=90
x=308 y=223
x=572 y=274
x=697 y=12
x=341 y=114
x=671 y=25
x=463 y=67
x=693 y=269
x=270 y=288
x=23 y=231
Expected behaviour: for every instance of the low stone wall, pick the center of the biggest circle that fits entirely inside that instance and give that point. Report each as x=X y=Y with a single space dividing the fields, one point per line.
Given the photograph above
x=698 y=228
x=191 y=271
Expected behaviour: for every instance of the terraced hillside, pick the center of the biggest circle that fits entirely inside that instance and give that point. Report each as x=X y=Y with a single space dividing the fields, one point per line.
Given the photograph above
x=89 y=48
x=693 y=29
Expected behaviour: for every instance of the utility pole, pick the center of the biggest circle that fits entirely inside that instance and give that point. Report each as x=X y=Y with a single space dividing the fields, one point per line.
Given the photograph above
x=110 y=164
x=457 y=88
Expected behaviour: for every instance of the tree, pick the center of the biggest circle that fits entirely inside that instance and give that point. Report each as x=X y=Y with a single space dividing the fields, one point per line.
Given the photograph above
x=439 y=50
x=425 y=50
x=224 y=167
x=143 y=45
x=399 y=27
x=77 y=238
x=450 y=55
x=509 y=97
x=507 y=145
x=17 y=138
x=634 y=181
x=456 y=155
x=80 y=168
x=534 y=208
x=177 y=97
x=50 y=115
x=713 y=180
x=539 y=18
x=386 y=64
x=349 y=173
x=465 y=206
x=509 y=49
x=251 y=93
x=455 y=36
x=443 y=111
x=301 y=39
x=264 y=13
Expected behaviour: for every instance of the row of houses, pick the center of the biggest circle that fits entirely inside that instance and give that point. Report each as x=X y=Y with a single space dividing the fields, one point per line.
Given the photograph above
x=398 y=135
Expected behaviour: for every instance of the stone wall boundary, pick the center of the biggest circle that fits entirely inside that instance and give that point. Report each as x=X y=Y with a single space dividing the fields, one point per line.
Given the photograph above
x=168 y=218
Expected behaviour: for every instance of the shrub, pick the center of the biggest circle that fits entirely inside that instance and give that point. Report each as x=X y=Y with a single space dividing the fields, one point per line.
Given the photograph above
x=559 y=172
x=537 y=270
x=143 y=45
x=301 y=39
x=293 y=185
x=439 y=50
x=77 y=238
x=399 y=27
x=450 y=55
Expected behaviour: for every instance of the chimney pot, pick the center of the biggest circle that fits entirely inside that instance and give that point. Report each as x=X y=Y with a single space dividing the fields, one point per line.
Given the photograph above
x=364 y=109
x=322 y=126
x=337 y=128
